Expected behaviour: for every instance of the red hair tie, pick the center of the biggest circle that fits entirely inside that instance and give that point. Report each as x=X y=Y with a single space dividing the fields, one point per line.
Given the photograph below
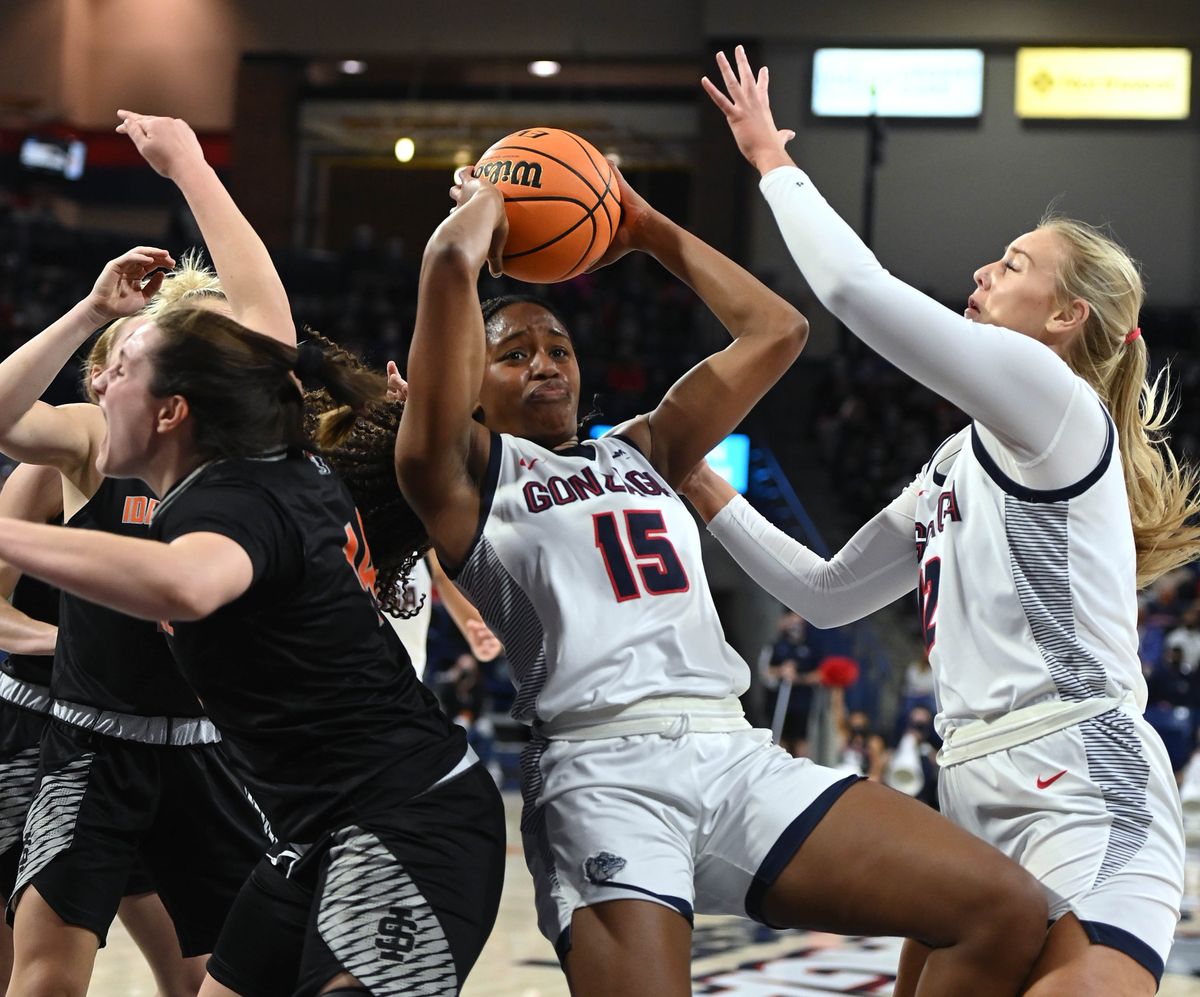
x=1131 y=336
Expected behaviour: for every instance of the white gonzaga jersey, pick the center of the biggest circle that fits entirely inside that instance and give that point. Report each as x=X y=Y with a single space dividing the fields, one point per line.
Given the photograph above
x=587 y=566
x=414 y=631
x=1025 y=595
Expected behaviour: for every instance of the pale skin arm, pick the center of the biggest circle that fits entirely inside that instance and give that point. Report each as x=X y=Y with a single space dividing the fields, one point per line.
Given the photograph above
x=484 y=644
x=65 y=437
x=252 y=286
x=441 y=452
x=32 y=494
x=709 y=401
x=187 y=579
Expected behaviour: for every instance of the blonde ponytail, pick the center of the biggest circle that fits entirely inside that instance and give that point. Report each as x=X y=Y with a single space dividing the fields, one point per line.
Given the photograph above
x=1112 y=357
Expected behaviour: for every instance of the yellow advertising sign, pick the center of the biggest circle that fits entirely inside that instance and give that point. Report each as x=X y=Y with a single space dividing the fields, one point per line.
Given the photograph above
x=1124 y=83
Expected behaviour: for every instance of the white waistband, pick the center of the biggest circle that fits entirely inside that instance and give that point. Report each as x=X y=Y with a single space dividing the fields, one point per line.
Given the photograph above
x=982 y=737
x=670 y=716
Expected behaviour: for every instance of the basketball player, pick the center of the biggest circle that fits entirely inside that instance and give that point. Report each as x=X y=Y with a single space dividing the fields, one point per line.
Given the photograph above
x=1033 y=528
x=122 y=714
x=28 y=631
x=387 y=875
x=648 y=796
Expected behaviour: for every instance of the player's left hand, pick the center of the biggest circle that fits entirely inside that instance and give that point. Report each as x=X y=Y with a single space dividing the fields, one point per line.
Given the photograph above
x=747 y=111
x=637 y=216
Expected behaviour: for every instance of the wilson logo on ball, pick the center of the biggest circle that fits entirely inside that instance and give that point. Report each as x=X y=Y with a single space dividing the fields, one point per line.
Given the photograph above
x=562 y=200
x=522 y=174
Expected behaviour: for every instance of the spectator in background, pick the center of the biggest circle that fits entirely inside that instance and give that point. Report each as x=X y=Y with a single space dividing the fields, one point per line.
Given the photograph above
x=912 y=765
x=1185 y=638
x=790 y=675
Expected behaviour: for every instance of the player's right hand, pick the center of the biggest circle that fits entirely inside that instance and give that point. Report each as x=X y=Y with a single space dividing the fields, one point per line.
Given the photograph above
x=167 y=144
x=468 y=188
x=122 y=288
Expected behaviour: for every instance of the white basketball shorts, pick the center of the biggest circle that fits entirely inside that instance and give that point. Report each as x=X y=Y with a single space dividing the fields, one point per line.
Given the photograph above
x=1093 y=813
x=703 y=823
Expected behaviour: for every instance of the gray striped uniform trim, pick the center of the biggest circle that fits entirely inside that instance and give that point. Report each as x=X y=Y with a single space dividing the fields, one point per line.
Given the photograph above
x=533 y=817
x=18 y=776
x=1039 y=555
x=1118 y=767
x=24 y=694
x=377 y=924
x=50 y=825
x=175 y=731
x=1040 y=558
x=507 y=609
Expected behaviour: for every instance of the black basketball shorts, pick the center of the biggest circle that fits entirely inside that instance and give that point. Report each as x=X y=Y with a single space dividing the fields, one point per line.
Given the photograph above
x=20 y=737
x=403 y=903
x=105 y=807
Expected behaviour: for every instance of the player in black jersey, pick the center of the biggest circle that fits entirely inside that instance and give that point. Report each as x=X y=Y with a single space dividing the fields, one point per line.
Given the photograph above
x=28 y=631
x=126 y=728
x=388 y=871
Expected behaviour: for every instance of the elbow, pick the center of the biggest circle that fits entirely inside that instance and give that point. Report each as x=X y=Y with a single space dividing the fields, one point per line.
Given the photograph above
x=788 y=336
x=447 y=257
x=839 y=294
x=795 y=333
x=183 y=603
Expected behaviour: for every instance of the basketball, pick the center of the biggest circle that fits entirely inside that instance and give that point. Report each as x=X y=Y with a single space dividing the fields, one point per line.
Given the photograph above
x=561 y=198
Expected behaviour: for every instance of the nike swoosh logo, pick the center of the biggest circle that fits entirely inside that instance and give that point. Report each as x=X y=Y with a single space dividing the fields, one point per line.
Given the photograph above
x=1043 y=783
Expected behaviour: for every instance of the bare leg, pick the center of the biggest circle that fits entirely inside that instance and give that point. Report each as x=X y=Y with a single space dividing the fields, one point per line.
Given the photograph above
x=629 y=948
x=6 y=956
x=1071 y=964
x=50 y=957
x=866 y=866
x=912 y=964
x=211 y=988
x=151 y=928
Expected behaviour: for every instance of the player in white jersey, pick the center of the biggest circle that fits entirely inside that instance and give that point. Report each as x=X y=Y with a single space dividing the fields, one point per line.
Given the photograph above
x=648 y=796
x=414 y=598
x=1033 y=528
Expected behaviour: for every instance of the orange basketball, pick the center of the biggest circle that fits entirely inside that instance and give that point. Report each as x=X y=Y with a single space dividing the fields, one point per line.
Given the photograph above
x=561 y=199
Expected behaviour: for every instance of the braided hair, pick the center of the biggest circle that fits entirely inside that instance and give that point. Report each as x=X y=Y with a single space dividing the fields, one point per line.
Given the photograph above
x=364 y=459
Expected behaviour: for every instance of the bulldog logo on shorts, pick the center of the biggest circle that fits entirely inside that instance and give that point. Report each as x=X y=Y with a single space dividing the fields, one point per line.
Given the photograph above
x=602 y=866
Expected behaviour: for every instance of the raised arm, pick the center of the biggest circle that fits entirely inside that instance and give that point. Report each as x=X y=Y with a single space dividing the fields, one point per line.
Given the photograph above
x=32 y=494
x=64 y=437
x=708 y=402
x=877 y=565
x=441 y=452
x=252 y=286
x=971 y=364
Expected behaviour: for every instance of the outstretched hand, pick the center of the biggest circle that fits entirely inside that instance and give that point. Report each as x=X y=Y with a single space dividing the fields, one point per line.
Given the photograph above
x=747 y=111
x=122 y=287
x=468 y=187
x=167 y=144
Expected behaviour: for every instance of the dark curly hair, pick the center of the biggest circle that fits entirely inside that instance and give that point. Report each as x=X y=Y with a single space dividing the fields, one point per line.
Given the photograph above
x=364 y=459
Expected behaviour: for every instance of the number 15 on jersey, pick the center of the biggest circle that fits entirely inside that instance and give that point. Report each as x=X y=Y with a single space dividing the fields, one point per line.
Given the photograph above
x=645 y=537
